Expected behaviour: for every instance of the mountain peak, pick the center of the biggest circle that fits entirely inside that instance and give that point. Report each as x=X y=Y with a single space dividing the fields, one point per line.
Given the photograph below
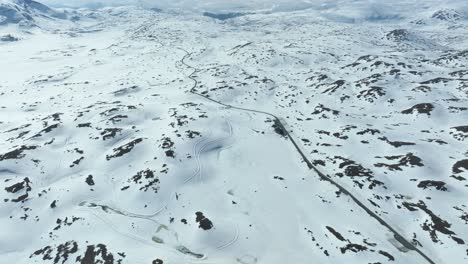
x=26 y=12
x=447 y=15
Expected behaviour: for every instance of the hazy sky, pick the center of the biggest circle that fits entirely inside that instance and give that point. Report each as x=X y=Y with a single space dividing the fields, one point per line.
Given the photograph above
x=354 y=8
x=198 y=4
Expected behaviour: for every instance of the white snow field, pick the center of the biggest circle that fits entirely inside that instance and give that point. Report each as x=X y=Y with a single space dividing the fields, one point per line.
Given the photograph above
x=317 y=135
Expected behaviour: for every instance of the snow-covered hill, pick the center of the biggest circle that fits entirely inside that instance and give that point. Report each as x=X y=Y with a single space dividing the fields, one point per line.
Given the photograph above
x=19 y=19
x=314 y=135
x=26 y=12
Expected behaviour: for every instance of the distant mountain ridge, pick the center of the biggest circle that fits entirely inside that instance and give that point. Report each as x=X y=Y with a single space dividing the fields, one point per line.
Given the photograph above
x=26 y=12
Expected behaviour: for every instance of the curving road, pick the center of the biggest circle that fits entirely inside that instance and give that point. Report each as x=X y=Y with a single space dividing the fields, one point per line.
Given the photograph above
x=322 y=176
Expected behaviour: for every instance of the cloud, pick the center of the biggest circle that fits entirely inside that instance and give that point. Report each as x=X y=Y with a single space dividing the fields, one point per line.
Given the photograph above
x=214 y=5
x=198 y=5
x=341 y=10
x=88 y=3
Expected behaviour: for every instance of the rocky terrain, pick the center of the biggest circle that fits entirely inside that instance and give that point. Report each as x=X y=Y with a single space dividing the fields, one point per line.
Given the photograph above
x=133 y=135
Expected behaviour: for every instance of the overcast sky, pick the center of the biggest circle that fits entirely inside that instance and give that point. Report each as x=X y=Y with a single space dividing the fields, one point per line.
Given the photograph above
x=359 y=8
x=197 y=4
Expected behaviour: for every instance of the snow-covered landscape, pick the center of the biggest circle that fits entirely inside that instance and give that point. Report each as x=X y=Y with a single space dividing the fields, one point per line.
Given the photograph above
x=234 y=132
